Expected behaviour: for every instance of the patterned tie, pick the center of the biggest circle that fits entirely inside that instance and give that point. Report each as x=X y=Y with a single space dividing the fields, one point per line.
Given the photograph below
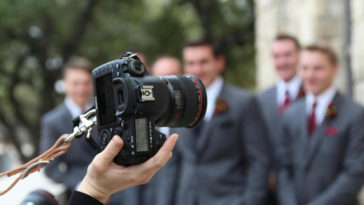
x=285 y=104
x=312 y=119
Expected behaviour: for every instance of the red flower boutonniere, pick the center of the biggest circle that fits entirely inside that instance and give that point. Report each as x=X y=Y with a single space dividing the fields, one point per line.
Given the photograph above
x=330 y=131
x=330 y=114
x=331 y=111
x=221 y=106
x=301 y=93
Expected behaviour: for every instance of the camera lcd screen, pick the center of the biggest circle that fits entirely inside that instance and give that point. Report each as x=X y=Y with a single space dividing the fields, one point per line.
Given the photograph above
x=141 y=135
x=105 y=99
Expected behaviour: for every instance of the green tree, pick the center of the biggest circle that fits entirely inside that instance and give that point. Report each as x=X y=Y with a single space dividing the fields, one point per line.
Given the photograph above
x=38 y=36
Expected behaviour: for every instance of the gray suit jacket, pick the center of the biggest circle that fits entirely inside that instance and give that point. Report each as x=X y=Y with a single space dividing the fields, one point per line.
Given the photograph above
x=328 y=167
x=269 y=108
x=71 y=167
x=268 y=105
x=226 y=164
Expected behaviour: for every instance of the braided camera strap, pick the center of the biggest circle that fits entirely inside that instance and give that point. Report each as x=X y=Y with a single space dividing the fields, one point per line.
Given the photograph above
x=60 y=147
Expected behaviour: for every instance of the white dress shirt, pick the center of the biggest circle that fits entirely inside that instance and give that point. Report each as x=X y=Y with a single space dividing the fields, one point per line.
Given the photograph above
x=293 y=87
x=323 y=101
x=74 y=109
x=212 y=93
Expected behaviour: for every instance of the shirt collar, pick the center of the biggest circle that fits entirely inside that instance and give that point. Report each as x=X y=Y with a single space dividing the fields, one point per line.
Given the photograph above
x=74 y=109
x=213 y=91
x=323 y=101
x=293 y=87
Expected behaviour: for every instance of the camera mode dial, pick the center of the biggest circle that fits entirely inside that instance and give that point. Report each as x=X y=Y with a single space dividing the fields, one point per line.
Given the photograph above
x=136 y=68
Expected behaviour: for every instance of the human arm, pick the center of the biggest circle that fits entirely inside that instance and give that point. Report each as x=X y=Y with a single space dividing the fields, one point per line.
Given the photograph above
x=285 y=189
x=104 y=177
x=255 y=143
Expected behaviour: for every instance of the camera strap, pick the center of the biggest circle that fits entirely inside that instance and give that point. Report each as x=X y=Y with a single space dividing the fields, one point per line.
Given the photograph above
x=61 y=146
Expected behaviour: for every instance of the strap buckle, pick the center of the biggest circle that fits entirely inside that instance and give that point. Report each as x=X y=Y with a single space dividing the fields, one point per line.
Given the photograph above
x=87 y=121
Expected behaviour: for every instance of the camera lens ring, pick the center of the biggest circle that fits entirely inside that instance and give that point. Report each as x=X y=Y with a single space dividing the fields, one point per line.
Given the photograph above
x=188 y=105
x=203 y=105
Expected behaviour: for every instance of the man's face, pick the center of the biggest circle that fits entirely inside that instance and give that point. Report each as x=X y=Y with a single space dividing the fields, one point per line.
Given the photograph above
x=285 y=58
x=167 y=66
x=78 y=86
x=317 y=71
x=201 y=62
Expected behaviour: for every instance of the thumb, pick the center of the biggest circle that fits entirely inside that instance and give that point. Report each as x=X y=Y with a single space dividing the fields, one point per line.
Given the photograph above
x=111 y=150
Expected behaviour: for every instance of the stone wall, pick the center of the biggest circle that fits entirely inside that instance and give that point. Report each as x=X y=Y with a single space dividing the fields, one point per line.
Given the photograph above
x=357 y=50
x=312 y=21
x=309 y=20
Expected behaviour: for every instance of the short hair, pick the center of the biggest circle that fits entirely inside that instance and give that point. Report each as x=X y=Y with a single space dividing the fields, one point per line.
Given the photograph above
x=203 y=42
x=326 y=50
x=283 y=37
x=76 y=62
x=167 y=56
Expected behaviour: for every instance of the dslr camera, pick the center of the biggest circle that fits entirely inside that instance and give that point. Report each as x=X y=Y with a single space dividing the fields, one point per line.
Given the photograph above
x=131 y=103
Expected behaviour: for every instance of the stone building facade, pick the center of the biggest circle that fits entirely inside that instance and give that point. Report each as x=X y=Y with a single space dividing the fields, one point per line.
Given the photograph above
x=339 y=23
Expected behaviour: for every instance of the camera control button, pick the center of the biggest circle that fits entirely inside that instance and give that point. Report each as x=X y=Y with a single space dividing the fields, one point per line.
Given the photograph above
x=118 y=131
x=123 y=124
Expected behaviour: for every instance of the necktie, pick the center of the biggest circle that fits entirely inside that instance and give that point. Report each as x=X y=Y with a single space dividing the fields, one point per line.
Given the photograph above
x=312 y=120
x=285 y=104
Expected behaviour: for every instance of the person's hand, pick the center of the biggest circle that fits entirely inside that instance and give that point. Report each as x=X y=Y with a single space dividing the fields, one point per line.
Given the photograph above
x=104 y=177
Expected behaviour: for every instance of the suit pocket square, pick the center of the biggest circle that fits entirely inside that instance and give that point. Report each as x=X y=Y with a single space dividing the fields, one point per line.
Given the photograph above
x=331 y=131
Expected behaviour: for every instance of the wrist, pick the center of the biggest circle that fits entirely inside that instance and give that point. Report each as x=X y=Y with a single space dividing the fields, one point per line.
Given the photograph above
x=94 y=191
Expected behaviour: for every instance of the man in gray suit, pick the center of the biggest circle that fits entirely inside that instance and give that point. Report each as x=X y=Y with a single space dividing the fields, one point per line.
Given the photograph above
x=285 y=51
x=70 y=167
x=224 y=159
x=321 y=147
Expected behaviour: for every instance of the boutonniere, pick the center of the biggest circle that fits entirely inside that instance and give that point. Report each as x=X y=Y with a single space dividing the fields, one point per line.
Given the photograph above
x=330 y=114
x=221 y=106
x=331 y=111
x=331 y=130
x=301 y=93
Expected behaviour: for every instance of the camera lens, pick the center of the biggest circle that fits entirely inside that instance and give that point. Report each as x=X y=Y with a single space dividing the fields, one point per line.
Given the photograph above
x=188 y=104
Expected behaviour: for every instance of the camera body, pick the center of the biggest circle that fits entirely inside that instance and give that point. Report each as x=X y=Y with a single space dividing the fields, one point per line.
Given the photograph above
x=129 y=103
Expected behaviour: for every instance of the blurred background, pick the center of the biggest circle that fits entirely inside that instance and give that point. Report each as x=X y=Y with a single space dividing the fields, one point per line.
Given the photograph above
x=38 y=36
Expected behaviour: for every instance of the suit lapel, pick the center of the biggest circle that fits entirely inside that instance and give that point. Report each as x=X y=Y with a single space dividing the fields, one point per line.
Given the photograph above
x=302 y=133
x=273 y=116
x=211 y=125
x=67 y=118
x=320 y=133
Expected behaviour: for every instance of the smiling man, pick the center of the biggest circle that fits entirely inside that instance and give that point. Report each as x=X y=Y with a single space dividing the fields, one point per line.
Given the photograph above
x=69 y=168
x=321 y=146
x=285 y=50
x=224 y=159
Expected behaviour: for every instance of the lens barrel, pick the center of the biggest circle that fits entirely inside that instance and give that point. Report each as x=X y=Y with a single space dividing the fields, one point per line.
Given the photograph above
x=188 y=102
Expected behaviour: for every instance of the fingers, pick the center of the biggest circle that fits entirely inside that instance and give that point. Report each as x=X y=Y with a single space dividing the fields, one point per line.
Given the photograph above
x=164 y=154
x=169 y=144
x=65 y=135
x=111 y=150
